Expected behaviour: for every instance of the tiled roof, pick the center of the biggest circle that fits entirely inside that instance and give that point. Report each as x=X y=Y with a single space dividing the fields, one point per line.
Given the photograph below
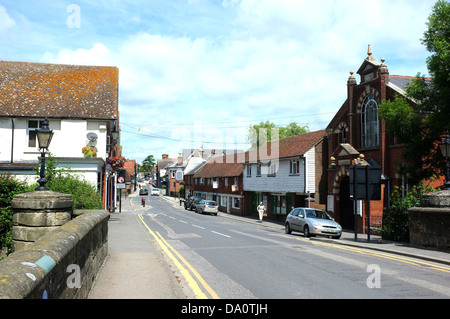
x=221 y=166
x=287 y=147
x=57 y=90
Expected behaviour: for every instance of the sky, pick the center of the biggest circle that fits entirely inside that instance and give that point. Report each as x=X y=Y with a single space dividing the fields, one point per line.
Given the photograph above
x=199 y=72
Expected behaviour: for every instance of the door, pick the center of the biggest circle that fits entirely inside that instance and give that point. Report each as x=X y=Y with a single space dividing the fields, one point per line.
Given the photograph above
x=347 y=219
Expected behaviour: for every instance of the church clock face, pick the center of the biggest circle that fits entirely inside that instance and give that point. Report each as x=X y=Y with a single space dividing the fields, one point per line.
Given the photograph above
x=369 y=122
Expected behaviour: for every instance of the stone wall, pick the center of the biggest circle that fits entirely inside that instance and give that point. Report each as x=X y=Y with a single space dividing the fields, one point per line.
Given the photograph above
x=62 y=263
x=429 y=225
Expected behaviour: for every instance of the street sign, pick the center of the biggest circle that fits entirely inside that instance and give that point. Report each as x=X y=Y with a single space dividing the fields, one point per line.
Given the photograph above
x=365 y=182
x=120 y=182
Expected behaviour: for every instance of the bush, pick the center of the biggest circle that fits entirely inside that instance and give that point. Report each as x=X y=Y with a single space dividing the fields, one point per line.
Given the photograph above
x=81 y=190
x=9 y=187
x=396 y=220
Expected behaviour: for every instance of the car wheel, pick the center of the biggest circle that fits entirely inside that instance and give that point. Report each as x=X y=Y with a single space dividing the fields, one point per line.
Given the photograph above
x=336 y=237
x=287 y=229
x=306 y=231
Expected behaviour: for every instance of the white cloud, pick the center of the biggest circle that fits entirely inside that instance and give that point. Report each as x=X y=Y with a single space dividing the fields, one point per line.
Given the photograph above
x=280 y=58
x=6 y=22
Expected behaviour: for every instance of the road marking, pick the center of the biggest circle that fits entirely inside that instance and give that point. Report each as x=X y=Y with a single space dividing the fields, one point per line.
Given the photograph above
x=212 y=231
x=182 y=221
x=196 y=274
x=382 y=255
x=191 y=281
x=198 y=226
x=171 y=217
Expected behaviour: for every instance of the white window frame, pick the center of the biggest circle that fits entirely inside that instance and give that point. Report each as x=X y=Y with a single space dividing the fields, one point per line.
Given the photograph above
x=294 y=167
x=33 y=129
x=234 y=199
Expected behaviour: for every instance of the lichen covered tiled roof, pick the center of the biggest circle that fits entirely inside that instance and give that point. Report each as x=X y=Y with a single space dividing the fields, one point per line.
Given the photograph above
x=57 y=90
x=286 y=147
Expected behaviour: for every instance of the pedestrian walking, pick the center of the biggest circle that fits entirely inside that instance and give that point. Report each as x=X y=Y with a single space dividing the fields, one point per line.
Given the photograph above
x=261 y=211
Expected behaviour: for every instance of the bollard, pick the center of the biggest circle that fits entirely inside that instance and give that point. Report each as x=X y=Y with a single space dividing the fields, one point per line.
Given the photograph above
x=143 y=201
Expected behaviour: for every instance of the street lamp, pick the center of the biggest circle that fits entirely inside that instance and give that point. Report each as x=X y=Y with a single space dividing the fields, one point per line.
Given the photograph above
x=445 y=149
x=44 y=136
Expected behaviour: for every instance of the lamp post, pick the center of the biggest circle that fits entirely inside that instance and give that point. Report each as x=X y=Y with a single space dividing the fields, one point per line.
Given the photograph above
x=445 y=149
x=44 y=135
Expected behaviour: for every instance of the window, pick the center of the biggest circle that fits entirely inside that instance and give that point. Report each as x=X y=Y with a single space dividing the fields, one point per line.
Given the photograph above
x=223 y=201
x=32 y=136
x=235 y=202
x=369 y=122
x=294 y=168
x=258 y=169
x=272 y=169
x=236 y=180
x=226 y=181
x=249 y=171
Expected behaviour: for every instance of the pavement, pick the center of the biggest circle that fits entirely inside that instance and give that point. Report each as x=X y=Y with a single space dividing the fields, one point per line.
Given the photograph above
x=135 y=268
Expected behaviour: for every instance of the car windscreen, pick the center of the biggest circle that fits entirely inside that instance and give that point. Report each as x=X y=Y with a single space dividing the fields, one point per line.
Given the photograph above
x=319 y=214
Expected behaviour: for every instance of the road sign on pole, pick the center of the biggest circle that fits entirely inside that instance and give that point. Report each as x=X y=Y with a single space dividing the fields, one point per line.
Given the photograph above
x=365 y=184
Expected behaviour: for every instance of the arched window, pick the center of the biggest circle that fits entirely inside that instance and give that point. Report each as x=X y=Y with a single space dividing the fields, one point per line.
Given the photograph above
x=369 y=122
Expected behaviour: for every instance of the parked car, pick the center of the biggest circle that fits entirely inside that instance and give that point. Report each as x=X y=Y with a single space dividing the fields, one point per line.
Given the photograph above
x=156 y=191
x=190 y=203
x=207 y=206
x=312 y=222
x=143 y=191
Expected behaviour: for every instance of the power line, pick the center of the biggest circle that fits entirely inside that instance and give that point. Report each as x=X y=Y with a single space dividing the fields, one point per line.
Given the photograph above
x=156 y=136
x=215 y=124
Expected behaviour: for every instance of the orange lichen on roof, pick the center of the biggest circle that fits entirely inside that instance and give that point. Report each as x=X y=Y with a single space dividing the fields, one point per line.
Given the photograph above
x=56 y=90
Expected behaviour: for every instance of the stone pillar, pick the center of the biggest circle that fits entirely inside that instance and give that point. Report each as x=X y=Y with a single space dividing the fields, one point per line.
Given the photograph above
x=36 y=213
x=429 y=225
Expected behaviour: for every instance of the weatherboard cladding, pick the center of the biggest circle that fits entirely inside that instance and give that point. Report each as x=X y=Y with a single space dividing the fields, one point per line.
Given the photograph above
x=58 y=91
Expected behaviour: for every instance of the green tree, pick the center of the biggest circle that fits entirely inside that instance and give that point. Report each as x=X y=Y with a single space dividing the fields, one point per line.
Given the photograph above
x=422 y=128
x=148 y=164
x=260 y=133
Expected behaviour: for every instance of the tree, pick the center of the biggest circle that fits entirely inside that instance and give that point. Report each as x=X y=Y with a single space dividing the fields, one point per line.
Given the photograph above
x=148 y=164
x=260 y=133
x=422 y=128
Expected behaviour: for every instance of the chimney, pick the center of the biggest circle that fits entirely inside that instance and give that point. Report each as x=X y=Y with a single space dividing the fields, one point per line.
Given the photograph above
x=180 y=159
x=165 y=156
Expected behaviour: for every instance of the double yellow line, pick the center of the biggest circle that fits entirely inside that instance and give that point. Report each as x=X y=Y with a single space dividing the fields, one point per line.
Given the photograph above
x=381 y=255
x=171 y=253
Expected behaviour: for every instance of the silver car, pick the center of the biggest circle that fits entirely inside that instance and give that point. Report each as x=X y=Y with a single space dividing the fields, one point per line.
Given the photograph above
x=207 y=206
x=312 y=222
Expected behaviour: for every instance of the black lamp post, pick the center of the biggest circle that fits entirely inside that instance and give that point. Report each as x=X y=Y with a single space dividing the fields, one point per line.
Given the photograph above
x=445 y=149
x=44 y=135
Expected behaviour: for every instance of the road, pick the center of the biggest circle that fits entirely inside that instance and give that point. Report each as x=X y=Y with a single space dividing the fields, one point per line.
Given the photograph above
x=217 y=257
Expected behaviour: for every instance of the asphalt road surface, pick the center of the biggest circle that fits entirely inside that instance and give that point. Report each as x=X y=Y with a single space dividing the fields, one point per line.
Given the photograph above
x=217 y=257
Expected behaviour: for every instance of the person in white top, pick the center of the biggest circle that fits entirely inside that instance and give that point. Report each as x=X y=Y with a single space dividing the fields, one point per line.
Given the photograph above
x=261 y=209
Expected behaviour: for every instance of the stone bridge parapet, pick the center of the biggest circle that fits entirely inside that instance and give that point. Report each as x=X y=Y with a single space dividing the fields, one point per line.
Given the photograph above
x=62 y=263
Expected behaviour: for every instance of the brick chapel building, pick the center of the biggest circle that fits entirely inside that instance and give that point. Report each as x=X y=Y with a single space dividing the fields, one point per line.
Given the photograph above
x=357 y=133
